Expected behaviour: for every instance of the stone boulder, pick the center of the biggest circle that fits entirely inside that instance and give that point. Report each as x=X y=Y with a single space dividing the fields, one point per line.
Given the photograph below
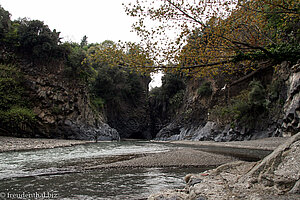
x=277 y=176
x=102 y=132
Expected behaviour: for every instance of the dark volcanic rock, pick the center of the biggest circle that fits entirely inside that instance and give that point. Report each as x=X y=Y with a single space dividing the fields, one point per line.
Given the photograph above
x=279 y=121
x=62 y=105
x=291 y=121
x=129 y=116
x=85 y=132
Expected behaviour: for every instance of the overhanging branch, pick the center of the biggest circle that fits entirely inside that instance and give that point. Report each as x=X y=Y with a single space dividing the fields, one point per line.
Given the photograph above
x=188 y=67
x=252 y=47
x=185 y=13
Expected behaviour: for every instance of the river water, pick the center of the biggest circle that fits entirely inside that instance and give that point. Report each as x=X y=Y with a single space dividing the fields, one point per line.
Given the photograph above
x=59 y=173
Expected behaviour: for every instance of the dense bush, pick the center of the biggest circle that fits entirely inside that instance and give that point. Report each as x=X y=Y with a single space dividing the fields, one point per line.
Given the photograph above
x=15 y=112
x=74 y=65
x=169 y=98
x=37 y=40
x=114 y=85
x=243 y=109
x=257 y=95
x=5 y=23
x=17 y=117
x=98 y=103
x=177 y=100
x=171 y=84
x=205 y=89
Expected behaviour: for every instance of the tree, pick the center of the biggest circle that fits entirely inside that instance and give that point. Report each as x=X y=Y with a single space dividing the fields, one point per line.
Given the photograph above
x=36 y=39
x=212 y=36
x=74 y=65
x=84 y=41
x=5 y=22
x=115 y=80
x=122 y=55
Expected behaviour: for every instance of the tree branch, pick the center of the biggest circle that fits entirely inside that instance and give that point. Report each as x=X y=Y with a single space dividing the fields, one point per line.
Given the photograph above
x=252 y=47
x=294 y=11
x=208 y=65
x=252 y=74
x=185 y=13
x=188 y=67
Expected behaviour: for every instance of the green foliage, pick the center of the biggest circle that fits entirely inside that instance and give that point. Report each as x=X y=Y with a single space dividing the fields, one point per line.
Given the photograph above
x=171 y=84
x=286 y=51
x=5 y=23
x=274 y=89
x=15 y=113
x=98 y=103
x=243 y=109
x=283 y=22
x=277 y=52
x=235 y=110
x=37 y=40
x=205 y=89
x=10 y=87
x=257 y=95
x=171 y=91
x=177 y=100
x=15 y=117
x=74 y=65
x=169 y=98
x=114 y=84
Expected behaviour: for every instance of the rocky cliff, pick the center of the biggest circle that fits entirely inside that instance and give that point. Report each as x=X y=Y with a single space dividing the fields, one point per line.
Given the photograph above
x=129 y=115
x=62 y=105
x=222 y=114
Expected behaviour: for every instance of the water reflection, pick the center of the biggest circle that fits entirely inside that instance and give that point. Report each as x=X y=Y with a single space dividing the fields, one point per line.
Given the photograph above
x=59 y=172
x=102 y=184
x=27 y=163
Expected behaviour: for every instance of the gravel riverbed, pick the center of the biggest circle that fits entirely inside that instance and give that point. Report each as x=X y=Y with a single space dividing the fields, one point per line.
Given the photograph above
x=18 y=144
x=182 y=157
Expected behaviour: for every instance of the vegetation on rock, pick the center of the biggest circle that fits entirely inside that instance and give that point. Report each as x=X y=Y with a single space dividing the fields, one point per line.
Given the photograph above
x=213 y=40
x=16 y=114
x=205 y=89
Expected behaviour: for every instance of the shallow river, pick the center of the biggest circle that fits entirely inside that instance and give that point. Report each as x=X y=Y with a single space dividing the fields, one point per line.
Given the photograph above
x=57 y=173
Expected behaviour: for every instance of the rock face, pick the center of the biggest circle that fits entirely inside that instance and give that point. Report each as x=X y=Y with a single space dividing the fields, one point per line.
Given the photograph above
x=212 y=131
x=130 y=115
x=291 y=122
x=62 y=105
x=283 y=120
x=275 y=177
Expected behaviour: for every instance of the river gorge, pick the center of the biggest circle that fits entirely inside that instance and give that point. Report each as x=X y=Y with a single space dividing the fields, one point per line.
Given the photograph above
x=99 y=170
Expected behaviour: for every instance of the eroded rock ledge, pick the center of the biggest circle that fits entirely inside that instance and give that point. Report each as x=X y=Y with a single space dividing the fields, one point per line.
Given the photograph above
x=275 y=177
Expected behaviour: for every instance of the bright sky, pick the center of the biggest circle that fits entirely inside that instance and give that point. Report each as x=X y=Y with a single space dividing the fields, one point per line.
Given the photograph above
x=99 y=20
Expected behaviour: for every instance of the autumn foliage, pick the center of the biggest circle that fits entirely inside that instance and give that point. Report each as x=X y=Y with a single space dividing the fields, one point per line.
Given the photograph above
x=208 y=37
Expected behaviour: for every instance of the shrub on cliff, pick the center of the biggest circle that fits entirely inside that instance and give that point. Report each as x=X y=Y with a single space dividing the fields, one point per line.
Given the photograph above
x=15 y=112
x=243 y=109
x=177 y=100
x=204 y=89
x=37 y=40
x=75 y=68
x=115 y=85
x=5 y=23
x=171 y=84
